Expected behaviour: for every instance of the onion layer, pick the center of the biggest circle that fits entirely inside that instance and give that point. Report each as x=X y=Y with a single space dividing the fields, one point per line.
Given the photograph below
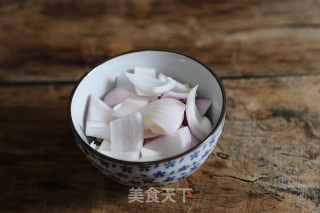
x=200 y=126
x=127 y=134
x=164 y=116
x=168 y=145
x=129 y=106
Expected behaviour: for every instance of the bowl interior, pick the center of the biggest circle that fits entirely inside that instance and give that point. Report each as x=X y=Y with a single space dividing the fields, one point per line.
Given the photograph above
x=187 y=70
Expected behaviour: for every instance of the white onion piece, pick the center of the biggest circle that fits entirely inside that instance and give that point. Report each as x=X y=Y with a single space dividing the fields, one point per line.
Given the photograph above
x=94 y=146
x=98 y=129
x=127 y=133
x=122 y=80
x=105 y=146
x=129 y=106
x=149 y=134
x=162 y=77
x=168 y=145
x=146 y=85
x=149 y=153
x=118 y=94
x=200 y=126
x=98 y=110
x=153 y=158
x=164 y=116
x=194 y=141
x=168 y=85
x=203 y=105
x=175 y=95
x=179 y=87
x=151 y=98
x=145 y=71
x=98 y=116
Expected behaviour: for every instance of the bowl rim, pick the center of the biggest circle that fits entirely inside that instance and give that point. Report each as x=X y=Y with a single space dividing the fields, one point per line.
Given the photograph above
x=213 y=131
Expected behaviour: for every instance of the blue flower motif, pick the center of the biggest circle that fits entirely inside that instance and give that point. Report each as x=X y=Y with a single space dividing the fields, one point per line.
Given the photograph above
x=104 y=163
x=205 y=154
x=147 y=180
x=181 y=159
x=194 y=155
x=169 y=178
x=183 y=174
x=212 y=141
x=159 y=174
x=169 y=164
x=194 y=167
x=183 y=168
x=122 y=175
x=171 y=172
x=98 y=166
x=144 y=168
x=126 y=168
x=156 y=166
x=182 y=177
x=135 y=182
x=203 y=148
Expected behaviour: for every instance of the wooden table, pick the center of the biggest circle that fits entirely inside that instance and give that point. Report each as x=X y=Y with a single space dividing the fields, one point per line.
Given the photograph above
x=266 y=52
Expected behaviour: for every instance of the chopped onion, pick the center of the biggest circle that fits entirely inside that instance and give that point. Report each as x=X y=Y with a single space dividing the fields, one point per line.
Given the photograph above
x=135 y=125
x=168 y=145
x=146 y=85
x=94 y=146
x=98 y=129
x=119 y=94
x=127 y=134
x=175 y=95
x=98 y=116
x=162 y=77
x=164 y=88
x=105 y=148
x=203 y=105
x=149 y=134
x=129 y=106
x=179 y=87
x=194 y=141
x=145 y=71
x=200 y=126
x=98 y=110
x=164 y=116
x=149 y=153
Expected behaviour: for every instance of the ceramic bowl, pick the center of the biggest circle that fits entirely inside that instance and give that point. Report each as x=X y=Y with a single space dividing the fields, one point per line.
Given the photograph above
x=179 y=66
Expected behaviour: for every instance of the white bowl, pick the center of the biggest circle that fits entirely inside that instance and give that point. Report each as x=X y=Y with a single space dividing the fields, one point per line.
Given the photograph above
x=179 y=66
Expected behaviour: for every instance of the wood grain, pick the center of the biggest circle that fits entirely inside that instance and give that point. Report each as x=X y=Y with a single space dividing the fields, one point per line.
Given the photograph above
x=59 y=40
x=266 y=161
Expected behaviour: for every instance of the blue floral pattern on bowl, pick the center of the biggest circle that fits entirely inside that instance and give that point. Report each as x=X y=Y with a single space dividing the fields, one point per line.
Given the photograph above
x=154 y=174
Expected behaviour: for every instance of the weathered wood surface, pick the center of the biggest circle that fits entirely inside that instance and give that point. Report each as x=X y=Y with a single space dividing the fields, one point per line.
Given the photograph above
x=268 y=157
x=266 y=161
x=58 y=40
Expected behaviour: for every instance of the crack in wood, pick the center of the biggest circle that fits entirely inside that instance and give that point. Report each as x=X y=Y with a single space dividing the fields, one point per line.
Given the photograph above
x=289 y=114
x=311 y=193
